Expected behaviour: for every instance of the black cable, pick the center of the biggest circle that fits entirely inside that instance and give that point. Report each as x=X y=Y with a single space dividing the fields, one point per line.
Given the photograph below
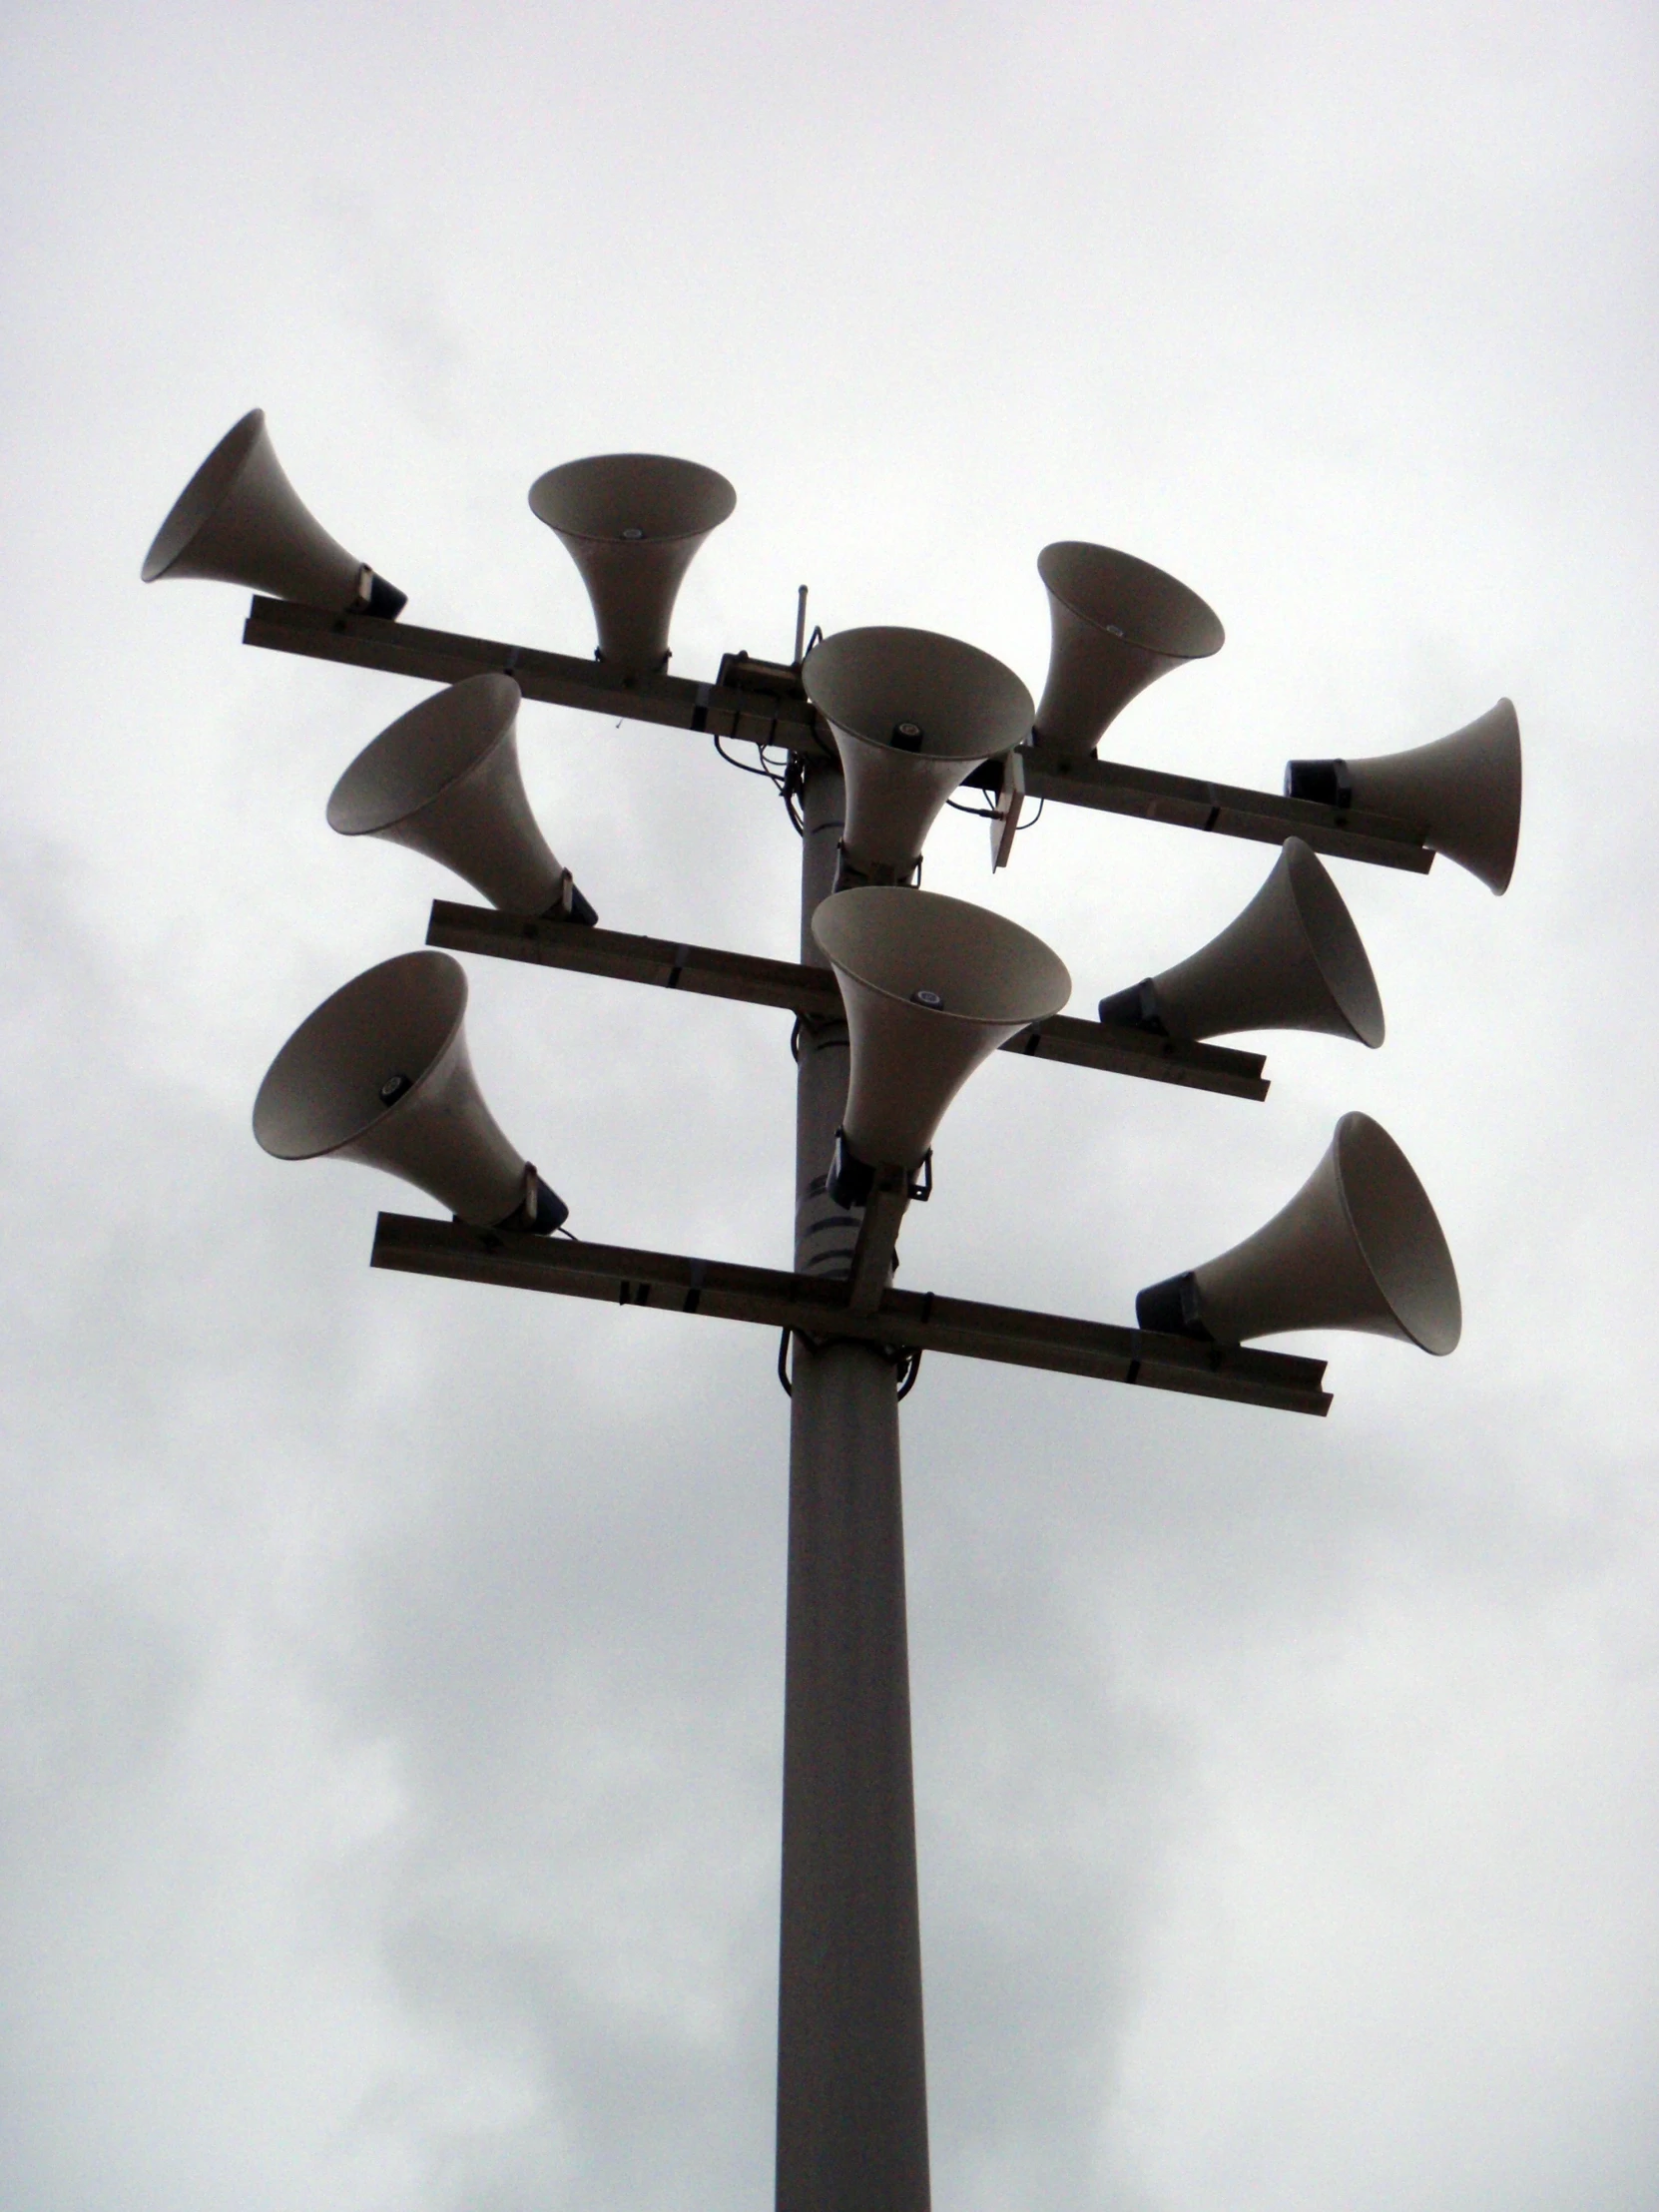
x=908 y=1368
x=732 y=762
x=783 y=1363
x=1035 y=818
x=781 y=782
x=981 y=813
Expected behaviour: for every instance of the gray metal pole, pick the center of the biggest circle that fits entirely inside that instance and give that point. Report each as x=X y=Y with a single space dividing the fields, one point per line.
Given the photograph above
x=852 y=2078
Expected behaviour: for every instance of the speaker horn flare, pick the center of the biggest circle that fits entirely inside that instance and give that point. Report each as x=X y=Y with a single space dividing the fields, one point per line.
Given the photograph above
x=444 y=780
x=911 y=713
x=1292 y=960
x=1118 y=624
x=380 y=1073
x=1359 y=1247
x=1463 y=794
x=239 y=521
x=931 y=986
x=632 y=523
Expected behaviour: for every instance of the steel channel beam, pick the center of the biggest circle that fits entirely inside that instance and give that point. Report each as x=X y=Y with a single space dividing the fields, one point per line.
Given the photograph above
x=770 y=717
x=559 y=679
x=773 y=1299
x=1223 y=810
x=811 y=993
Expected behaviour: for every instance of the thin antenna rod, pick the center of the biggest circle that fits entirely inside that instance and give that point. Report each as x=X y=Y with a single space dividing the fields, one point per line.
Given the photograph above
x=800 y=625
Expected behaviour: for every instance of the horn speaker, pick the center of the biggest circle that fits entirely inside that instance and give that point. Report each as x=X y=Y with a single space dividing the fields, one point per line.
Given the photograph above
x=1292 y=960
x=632 y=523
x=912 y=714
x=1357 y=1247
x=239 y=521
x=1118 y=623
x=1462 y=793
x=931 y=986
x=444 y=779
x=379 y=1074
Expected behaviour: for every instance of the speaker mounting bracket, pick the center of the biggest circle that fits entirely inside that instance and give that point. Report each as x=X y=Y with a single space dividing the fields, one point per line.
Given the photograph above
x=875 y=1254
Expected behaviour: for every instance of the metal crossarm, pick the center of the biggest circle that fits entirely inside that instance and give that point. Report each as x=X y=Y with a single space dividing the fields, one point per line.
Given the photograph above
x=759 y=712
x=814 y=1308
x=812 y=994
x=756 y=715
x=1225 y=809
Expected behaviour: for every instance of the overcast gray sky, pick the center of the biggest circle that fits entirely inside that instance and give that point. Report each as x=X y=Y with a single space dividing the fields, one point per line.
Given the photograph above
x=391 y=1671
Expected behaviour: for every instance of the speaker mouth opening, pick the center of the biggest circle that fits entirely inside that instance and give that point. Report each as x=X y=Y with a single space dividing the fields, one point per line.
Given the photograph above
x=1397 y=1229
x=206 y=491
x=987 y=970
x=631 y=500
x=1130 y=601
x=392 y=1025
x=425 y=753
x=1335 y=944
x=917 y=691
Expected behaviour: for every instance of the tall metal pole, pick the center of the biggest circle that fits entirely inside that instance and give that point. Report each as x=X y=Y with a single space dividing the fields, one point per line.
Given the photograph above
x=852 y=2077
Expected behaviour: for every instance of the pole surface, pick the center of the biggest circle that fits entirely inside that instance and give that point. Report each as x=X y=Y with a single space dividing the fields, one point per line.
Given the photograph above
x=852 y=2078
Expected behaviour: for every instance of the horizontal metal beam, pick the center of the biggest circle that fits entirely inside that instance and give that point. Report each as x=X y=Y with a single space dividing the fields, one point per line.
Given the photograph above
x=812 y=994
x=757 y=716
x=761 y=714
x=1226 y=810
x=907 y=1320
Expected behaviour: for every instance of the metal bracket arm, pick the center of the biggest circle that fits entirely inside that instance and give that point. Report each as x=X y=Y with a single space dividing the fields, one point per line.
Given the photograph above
x=1223 y=809
x=811 y=992
x=775 y=1299
x=872 y=1255
x=758 y=716
x=754 y=708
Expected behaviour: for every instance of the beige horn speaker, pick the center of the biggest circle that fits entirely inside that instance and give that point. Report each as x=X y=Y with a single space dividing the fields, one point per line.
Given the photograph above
x=444 y=779
x=913 y=713
x=239 y=521
x=1463 y=794
x=380 y=1074
x=1357 y=1247
x=1118 y=623
x=632 y=523
x=931 y=986
x=1292 y=960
